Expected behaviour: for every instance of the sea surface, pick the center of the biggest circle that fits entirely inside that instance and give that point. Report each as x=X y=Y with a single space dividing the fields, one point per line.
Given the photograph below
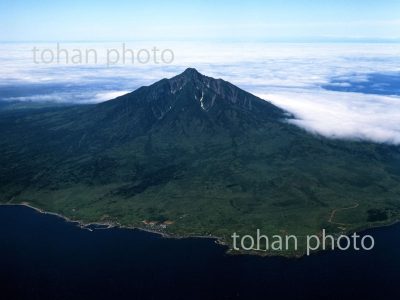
x=44 y=257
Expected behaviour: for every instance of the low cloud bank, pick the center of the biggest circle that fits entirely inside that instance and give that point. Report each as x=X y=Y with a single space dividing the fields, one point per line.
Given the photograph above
x=291 y=76
x=343 y=114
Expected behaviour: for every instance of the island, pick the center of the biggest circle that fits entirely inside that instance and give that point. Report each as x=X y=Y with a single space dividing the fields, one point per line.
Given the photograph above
x=194 y=156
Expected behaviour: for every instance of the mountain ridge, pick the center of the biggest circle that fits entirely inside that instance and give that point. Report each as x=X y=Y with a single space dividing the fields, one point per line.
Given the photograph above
x=206 y=91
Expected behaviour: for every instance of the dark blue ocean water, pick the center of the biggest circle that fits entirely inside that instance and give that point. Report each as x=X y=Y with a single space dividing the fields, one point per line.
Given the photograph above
x=373 y=83
x=44 y=257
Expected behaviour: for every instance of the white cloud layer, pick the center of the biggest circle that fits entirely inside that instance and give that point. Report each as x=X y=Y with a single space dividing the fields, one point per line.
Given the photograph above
x=289 y=75
x=104 y=96
x=343 y=115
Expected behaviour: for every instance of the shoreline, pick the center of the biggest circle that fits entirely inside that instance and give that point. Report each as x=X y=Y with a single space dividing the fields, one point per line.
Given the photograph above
x=217 y=240
x=81 y=224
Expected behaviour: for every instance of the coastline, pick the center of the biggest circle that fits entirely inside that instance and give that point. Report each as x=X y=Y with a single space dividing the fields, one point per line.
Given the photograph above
x=83 y=225
x=217 y=240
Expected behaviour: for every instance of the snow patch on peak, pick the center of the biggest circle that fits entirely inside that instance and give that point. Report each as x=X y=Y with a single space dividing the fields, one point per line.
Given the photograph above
x=202 y=101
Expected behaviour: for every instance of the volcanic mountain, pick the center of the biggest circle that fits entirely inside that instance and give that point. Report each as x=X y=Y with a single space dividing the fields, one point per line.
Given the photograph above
x=193 y=155
x=173 y=104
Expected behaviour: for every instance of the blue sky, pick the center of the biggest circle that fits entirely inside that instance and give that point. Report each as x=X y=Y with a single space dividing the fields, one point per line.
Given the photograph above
x=301 y=20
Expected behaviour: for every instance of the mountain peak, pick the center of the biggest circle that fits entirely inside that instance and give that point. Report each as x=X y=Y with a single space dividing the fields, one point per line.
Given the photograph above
x=190 y=72
x=190 y=92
